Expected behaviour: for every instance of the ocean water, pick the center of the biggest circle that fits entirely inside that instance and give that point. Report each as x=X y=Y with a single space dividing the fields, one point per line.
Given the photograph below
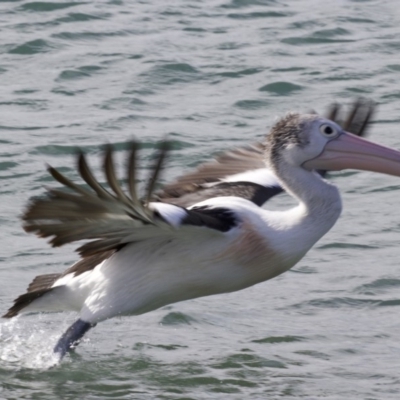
x=212 y=75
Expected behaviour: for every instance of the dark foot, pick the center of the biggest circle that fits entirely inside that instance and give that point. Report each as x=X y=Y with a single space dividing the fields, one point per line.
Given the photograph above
x=72 y=337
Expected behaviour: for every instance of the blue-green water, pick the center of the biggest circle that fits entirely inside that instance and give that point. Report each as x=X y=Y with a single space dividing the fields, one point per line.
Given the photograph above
x=212 y=75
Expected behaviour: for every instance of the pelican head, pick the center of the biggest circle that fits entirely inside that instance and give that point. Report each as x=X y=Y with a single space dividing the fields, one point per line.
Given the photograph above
x=313 y=142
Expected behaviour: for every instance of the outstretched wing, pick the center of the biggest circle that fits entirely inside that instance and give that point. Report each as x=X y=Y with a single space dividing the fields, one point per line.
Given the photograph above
x=111 y=219
x=241 y=172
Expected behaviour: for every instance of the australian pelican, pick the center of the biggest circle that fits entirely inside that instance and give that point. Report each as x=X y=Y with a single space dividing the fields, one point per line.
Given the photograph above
x=143 y=254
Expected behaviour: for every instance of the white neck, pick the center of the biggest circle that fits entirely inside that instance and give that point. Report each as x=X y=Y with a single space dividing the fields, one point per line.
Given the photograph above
x=320 y=207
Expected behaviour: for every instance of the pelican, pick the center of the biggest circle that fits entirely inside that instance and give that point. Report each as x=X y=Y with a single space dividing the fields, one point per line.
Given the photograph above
x=141 y=254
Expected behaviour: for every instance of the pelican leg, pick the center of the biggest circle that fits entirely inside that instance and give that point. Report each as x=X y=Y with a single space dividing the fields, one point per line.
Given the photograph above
x=72 y=337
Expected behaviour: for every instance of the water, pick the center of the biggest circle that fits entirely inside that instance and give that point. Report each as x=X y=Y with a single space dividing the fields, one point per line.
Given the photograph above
x=212 y=75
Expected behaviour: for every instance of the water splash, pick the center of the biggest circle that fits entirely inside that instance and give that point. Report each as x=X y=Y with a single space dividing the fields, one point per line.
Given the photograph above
x=23 y=345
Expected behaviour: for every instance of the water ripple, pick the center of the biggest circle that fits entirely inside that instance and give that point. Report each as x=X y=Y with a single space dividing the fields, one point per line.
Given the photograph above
x=254 y=15
x=81 y=72
x=280 y=88
x=33 y=47
x=46 y=6
x=212 y=75
x=177 y=318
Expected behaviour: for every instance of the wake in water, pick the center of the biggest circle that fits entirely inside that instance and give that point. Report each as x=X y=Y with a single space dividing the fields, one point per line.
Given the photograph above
x=25 y=346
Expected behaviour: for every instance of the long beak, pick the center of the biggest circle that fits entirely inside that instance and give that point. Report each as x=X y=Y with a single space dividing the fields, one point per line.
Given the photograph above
x=350 y=151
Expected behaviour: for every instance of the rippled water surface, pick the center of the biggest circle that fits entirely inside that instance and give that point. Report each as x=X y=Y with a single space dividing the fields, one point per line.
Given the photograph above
x=211 y=74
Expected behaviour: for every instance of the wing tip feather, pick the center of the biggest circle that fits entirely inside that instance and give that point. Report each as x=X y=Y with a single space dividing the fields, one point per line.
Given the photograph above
x=56 y=215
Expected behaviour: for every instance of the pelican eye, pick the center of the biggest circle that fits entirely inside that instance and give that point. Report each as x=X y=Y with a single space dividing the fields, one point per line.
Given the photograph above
x=328 y=130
